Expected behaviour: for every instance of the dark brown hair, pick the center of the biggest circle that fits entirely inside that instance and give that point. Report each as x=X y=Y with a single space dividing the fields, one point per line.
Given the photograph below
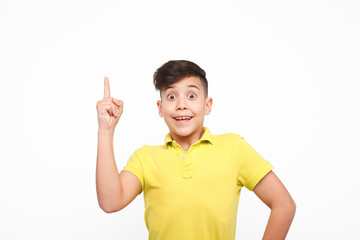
x=175 y=70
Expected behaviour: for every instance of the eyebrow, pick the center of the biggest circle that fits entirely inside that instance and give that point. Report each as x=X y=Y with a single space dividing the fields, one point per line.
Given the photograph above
x=193 y=86
x=189 y=86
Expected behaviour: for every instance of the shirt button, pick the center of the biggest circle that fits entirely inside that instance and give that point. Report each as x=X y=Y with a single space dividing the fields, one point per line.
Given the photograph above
x=182 y=157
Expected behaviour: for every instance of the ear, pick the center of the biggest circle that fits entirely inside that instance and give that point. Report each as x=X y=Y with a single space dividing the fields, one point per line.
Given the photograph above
x=159 y=104
x=208 y=105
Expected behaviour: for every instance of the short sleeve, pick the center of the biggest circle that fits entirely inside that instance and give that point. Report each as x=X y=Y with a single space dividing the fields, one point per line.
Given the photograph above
x=134 y=166
x=253 y=167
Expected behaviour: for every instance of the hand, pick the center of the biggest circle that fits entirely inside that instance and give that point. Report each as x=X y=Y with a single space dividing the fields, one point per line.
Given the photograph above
x=108 y=109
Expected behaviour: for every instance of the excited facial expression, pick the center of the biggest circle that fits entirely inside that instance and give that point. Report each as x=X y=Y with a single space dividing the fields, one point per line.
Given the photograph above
x=183 y=106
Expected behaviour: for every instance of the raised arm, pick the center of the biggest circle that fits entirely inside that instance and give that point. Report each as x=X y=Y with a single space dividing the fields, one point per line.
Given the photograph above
x=114 y=190
x=274 y=194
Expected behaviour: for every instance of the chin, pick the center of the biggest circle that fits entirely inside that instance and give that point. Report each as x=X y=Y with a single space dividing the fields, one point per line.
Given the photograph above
x=186 y=132
x=181 y=133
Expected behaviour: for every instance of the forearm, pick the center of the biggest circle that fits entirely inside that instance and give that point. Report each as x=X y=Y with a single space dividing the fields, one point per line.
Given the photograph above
x=107 y=176
x=279 y=222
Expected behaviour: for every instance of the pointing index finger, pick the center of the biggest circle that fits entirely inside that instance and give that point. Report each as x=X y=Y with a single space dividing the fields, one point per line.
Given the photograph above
x=106 y=88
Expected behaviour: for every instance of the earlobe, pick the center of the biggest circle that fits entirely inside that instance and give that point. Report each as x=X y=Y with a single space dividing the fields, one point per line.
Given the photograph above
x=160 y=108
x=208 y=105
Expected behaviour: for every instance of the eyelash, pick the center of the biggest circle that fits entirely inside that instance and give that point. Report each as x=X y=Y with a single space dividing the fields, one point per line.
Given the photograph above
x=172 y=95
x=192 y=94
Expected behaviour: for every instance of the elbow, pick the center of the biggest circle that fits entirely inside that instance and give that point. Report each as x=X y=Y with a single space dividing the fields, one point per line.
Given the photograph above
x=110 y=208
x=110 y=204
x=109 y=211
x=290 y=208
x=293 y=207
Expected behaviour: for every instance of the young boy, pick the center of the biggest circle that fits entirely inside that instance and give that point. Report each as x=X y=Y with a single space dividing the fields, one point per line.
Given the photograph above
x=192 y=183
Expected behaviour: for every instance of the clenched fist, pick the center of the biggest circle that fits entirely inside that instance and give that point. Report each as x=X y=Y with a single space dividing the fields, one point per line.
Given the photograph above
x=108 y=109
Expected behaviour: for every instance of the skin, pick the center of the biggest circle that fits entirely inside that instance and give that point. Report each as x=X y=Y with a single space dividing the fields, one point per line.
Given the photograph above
x=114 y=190
x=273 y=193
x=186 y=98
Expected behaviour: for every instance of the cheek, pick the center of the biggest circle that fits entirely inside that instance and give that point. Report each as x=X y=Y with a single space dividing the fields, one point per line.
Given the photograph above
x=203 y=108
x=165 y=109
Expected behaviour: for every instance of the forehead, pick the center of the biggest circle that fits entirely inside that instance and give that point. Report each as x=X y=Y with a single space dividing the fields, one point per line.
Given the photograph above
x=186 y=83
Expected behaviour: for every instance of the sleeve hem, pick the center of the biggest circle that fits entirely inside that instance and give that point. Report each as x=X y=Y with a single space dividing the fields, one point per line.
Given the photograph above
x=256 y=179
x=137 y=174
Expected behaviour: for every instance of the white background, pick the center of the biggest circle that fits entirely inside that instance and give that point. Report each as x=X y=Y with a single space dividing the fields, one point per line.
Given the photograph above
x=283 y=74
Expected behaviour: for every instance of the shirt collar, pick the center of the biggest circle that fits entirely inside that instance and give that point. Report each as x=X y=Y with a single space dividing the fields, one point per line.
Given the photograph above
x=206 y=137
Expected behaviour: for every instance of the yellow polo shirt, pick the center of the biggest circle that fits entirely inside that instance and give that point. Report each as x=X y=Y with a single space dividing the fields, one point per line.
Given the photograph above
x=195 y=195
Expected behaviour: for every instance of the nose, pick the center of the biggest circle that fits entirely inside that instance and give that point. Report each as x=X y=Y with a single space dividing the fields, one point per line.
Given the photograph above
x=181 y=103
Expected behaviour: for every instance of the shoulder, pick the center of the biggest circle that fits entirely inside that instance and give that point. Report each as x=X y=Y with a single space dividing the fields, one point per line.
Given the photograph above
x=228 y=138
x=148 y=150
x=230 y=143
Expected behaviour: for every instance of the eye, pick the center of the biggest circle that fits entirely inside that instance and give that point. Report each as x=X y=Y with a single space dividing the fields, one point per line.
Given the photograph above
x=192 y=95
x=171 y=96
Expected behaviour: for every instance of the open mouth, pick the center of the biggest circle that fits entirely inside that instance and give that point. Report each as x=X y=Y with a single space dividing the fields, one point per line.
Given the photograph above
x=182 y=118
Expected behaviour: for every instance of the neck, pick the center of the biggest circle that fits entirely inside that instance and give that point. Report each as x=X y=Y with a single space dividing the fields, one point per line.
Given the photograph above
x=186 y=141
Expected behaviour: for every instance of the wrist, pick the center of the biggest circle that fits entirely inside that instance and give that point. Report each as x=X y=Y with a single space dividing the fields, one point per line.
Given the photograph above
x=106 y=131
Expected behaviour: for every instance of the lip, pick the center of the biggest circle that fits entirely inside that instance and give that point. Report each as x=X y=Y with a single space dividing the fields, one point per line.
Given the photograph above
x=182 y=118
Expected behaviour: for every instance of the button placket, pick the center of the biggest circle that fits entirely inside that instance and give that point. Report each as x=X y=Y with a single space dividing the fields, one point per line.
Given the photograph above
x=187 y=168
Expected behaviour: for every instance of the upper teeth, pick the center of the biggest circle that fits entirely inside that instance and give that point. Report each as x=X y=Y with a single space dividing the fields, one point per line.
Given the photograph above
x=182 y=118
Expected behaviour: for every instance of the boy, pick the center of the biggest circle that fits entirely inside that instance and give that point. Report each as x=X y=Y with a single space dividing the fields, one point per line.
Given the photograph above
x=192 y=183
